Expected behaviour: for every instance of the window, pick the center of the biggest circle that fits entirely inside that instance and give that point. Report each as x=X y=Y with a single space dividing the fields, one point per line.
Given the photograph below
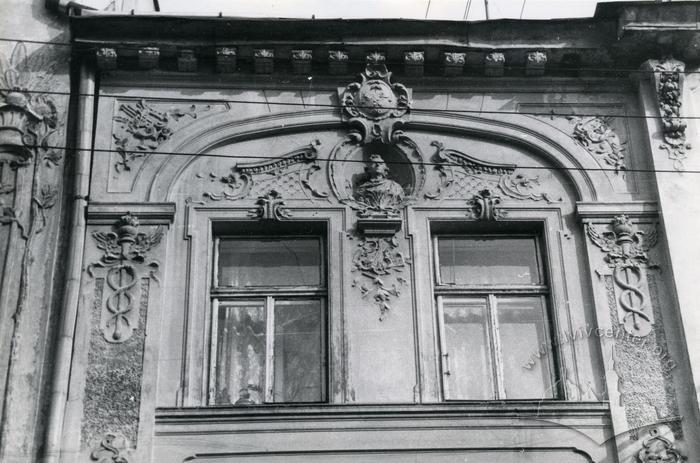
x=268 y=323
x=492 y=311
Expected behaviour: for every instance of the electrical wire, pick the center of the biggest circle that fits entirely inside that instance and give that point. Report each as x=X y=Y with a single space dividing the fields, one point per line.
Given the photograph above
x=552 y=113
x=327 y=160
x=468 y=6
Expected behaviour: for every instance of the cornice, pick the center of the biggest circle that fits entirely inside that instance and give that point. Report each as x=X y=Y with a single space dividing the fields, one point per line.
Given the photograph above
x=611 y=43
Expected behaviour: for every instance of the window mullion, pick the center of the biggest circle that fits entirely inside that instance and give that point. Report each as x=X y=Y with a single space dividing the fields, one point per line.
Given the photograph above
x=270 y=349
x=217 y=240
x=444 y=356
x=213 y=352
x=497 y=355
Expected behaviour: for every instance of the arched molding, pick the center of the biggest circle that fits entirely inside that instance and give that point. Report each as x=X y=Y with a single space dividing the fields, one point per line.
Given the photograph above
x=554 y=147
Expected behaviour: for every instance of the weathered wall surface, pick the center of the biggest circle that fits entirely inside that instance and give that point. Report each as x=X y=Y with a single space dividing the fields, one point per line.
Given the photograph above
x=32 y=134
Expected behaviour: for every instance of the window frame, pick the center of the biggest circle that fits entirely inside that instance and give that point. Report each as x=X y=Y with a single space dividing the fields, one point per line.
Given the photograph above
x=490 y=293
x=219 y=294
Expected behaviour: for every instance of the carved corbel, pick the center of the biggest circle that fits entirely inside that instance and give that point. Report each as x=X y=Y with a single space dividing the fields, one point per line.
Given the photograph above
x=338 y=62
x=125 y=256
x=453 y=63
x=375 y=106
x=668 y=76
x=535 y=63
x=414 y=62
x=226 y=59
x=106 y=59
x=149 y=57
x=626 y=250
x=494 y=64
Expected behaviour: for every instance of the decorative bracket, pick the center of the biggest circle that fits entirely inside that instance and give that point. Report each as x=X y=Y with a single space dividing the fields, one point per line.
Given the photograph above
x=668 y=76
x=125 y=253
x=376 y=106
x=270 y=207
x=484 y=206
x=626 y=249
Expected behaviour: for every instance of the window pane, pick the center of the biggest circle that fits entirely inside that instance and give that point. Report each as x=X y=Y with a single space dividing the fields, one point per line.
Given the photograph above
x=469 y=357
x=270 y=262
x=522 y=325
x=298 y=351
x=240 y=353
x=488 y=260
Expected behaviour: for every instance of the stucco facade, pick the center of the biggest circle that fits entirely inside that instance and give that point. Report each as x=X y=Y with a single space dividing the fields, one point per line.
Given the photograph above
x=130 y=189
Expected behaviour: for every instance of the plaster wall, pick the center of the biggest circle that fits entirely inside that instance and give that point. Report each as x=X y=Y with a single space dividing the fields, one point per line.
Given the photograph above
x=31 y=199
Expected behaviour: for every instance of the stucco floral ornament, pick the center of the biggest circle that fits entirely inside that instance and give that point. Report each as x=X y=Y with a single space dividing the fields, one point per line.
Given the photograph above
x=375 y=105
x=597 y=136
x=658 y=449
x=28 y=118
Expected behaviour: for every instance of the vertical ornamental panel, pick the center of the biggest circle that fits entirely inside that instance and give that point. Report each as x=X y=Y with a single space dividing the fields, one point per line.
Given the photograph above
x=123 y=277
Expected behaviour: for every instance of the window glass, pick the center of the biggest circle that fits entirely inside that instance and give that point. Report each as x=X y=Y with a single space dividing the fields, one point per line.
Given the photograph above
x=483 y=260
x=521 y=326
x=467 y=343
x=269 y=262
x=298 y=351
x=269 y=305
x=240 y=356
x=492 y=303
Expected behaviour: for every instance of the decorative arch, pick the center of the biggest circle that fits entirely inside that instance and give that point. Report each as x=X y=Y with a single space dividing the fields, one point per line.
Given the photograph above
x=557 y=149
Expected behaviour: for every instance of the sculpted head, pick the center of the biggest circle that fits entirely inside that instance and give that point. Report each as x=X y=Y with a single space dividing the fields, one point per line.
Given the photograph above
x=377 y=169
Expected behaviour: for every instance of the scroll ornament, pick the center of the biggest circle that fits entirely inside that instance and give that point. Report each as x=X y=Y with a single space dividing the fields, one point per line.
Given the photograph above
x=626 y=249
x=292 y=171
x=461 y=173
x=125 y=254
x=114 y=448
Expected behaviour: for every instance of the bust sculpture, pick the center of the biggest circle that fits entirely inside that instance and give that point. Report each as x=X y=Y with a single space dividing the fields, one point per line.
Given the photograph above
x=378 y=194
